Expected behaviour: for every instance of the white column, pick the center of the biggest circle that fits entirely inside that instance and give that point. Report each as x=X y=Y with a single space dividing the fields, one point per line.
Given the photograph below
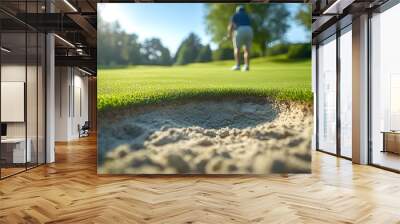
x=314 y=90
x=360 y=90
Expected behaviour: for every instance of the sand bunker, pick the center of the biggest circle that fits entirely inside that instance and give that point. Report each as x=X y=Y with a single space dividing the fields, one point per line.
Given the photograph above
x=208 y=137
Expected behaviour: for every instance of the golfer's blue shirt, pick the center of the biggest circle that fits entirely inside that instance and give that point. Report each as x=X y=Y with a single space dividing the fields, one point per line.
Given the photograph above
x=240 y=19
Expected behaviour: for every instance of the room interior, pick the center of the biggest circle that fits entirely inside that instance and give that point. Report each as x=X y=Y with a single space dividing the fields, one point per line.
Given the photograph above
x=27 y=98
x=334 y=43
x=385 y=115
x=22 y=101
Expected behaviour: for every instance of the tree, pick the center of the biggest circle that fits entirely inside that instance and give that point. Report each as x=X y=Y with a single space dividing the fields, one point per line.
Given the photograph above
x=303 y=16
x=154 y=53
x=217 y=19
x=269 y=21
x=135 y=57
x=105 y=42
x=116 y=47
x=205 y=54
x=223 y=53
x=188 y=50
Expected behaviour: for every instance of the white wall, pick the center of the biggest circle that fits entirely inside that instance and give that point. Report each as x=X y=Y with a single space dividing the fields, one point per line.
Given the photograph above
x=81 y=89
x=16 y=73
x=9 y=73
x=13 y=101
x=33 y=126
x=70 y=83
x=62 y=82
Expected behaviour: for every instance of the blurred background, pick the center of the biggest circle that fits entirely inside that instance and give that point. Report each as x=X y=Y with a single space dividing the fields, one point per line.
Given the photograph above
x=148 y=34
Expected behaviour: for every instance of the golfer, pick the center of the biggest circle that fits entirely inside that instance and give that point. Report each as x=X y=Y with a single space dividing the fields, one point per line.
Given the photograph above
x=241 y=32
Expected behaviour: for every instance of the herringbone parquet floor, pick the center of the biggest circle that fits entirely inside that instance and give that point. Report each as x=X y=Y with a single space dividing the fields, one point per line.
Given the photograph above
x=69 y=191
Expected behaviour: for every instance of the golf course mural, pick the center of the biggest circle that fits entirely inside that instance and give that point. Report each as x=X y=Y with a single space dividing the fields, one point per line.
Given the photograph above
x=204 y=88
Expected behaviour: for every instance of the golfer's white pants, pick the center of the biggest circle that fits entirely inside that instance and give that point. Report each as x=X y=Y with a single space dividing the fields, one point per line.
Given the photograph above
x=243 y=36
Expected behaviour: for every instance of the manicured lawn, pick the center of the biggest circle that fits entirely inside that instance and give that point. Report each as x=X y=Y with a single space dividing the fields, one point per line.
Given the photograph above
x=275 y=77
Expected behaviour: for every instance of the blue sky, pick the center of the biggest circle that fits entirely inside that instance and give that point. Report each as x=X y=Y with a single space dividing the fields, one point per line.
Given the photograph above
x=172 y=22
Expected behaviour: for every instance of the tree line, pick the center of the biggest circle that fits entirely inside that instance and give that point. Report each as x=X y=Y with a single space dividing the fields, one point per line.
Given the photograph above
x=269 y=21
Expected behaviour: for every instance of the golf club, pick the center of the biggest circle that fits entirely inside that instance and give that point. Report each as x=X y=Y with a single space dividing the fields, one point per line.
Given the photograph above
x=225 y=38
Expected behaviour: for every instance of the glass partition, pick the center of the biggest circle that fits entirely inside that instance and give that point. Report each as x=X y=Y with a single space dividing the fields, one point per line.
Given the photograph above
x=32 y=98
x=22 y=77
x=14 y=153
x=327 y=95
x=41 y=109
x=346 y=92
x=385 y=89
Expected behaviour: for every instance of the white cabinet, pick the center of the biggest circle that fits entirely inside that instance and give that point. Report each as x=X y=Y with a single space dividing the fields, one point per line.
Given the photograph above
x=18 y=149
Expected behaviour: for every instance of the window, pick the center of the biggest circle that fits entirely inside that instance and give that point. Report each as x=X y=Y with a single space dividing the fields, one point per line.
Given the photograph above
x=327 y=95
x=385 y=89
x=346 y=92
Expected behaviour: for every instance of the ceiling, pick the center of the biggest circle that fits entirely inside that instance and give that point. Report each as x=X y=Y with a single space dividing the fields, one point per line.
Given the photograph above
x=73 y=21
x=329 y=14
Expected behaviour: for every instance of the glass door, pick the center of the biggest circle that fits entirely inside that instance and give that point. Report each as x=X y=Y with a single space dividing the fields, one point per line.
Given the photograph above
x=14 y=153
x=327 y=95
x=385 y=89
x=22 y=100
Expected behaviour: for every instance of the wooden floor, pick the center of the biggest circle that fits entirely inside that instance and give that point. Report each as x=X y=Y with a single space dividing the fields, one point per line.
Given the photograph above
x=10 y=171
x=69 y=191
x=386 y=159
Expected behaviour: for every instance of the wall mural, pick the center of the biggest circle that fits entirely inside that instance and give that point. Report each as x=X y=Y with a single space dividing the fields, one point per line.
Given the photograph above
x=204 y=88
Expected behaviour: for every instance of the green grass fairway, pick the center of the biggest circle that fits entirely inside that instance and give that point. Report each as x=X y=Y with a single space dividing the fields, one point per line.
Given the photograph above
x=275 y=77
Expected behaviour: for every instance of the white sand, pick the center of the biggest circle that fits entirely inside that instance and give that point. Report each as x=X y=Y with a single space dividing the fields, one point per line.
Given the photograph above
x=245 y=136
